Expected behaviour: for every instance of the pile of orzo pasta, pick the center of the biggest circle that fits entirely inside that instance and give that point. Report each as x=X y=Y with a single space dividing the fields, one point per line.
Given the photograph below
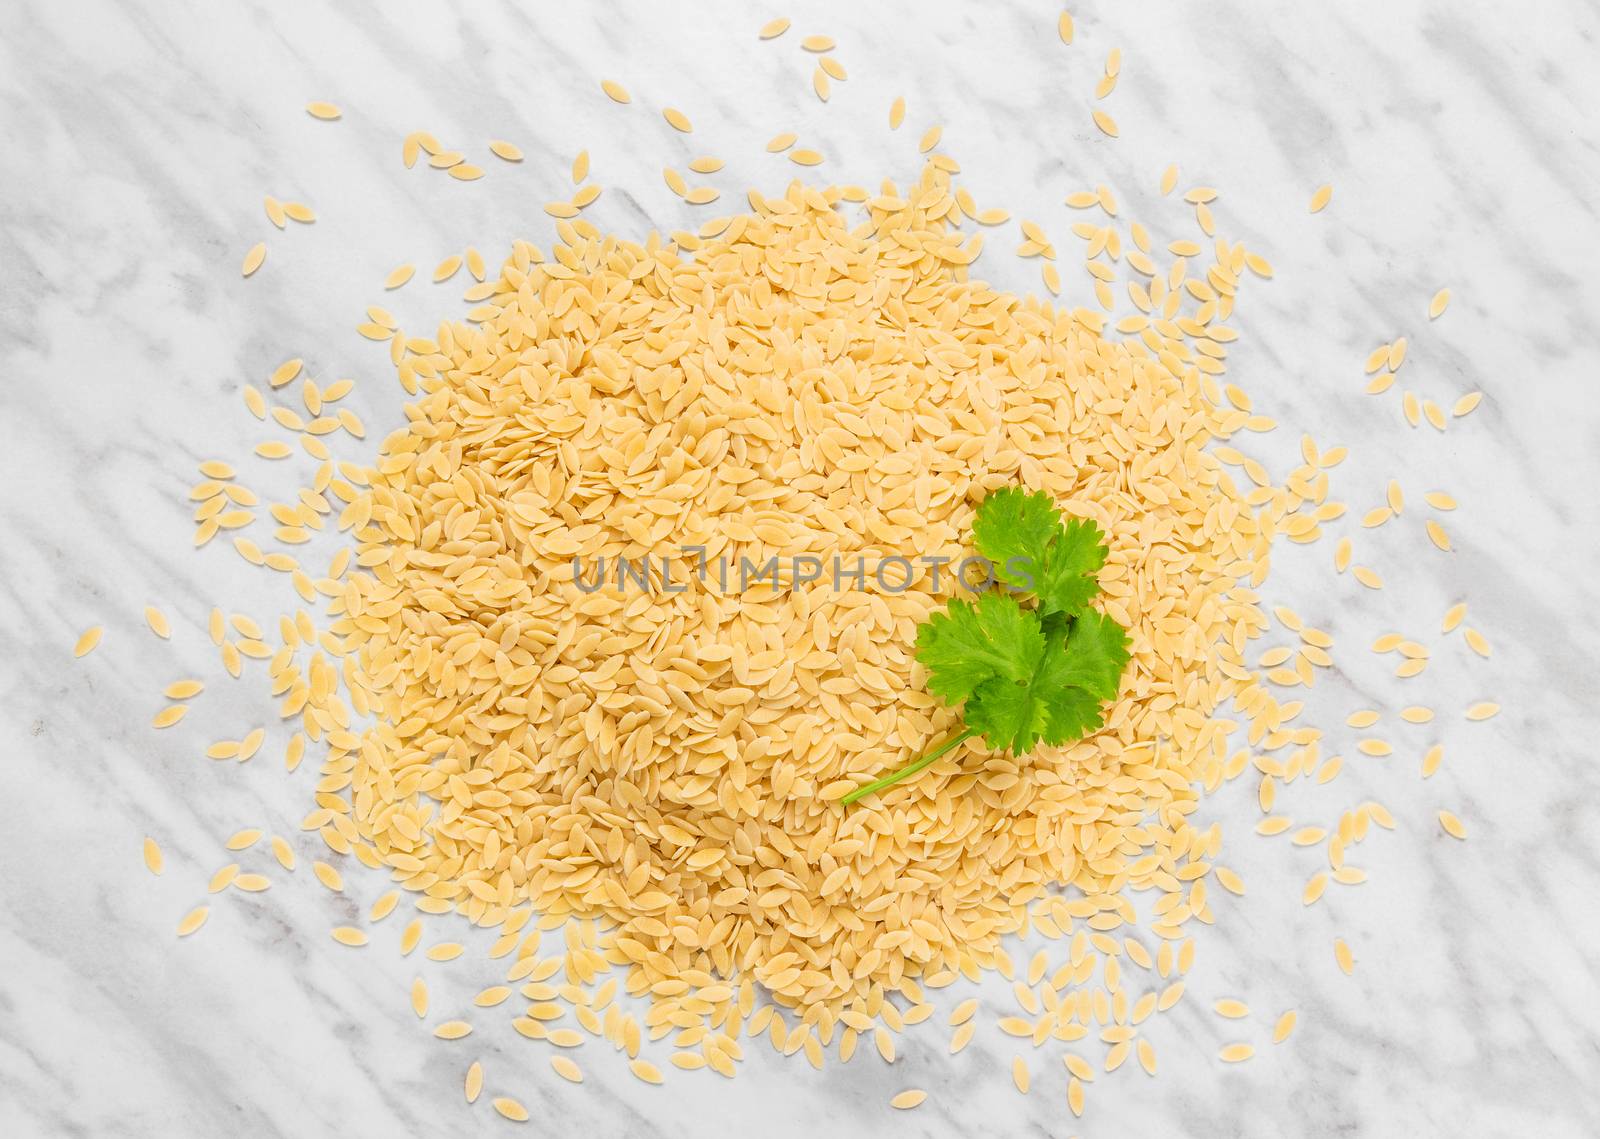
x=799 y=384
x=654 y=763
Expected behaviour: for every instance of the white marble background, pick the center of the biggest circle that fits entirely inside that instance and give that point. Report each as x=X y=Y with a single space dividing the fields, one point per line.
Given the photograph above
x=138 y=141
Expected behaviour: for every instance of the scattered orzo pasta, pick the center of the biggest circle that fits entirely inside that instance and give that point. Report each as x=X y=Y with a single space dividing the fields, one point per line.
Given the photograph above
x=755 y=465
x=663 y=765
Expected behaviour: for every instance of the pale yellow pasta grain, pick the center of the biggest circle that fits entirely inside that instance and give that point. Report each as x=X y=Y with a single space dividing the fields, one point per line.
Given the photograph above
x=962 y=1036
x=157 y=621
x=1321 y=198
x=349 y=935
x=253 y=258
x=906 y=1100
x=1020 y=1076
x=283 y=852
x=646 y=1071
x=1235 y=1053
x=1284 y=1026
x=325 y=111
x=152 y=856
x=505 y=1105
x=1440 y=301
x=243 y=840
x=616 y=92
x=193 y=920
x=774 y=28
x=87 y=640
x=473 y=1085
x=511 y=152
x=1483 y=710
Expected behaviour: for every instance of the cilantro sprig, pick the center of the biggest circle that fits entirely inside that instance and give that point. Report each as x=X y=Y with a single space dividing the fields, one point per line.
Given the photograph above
x=1024 y=676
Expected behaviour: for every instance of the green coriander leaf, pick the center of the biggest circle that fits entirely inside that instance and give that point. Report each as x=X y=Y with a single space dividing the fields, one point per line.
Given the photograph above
x=1070 y=714
x=1026 y=675
x=1014 y=530
x=1009 y=716
x=970 y=644
x=1078 y=672
x=1067 y=582
x=1093 y=658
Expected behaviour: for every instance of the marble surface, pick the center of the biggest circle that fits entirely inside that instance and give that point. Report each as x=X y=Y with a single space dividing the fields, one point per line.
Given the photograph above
x=140 y=138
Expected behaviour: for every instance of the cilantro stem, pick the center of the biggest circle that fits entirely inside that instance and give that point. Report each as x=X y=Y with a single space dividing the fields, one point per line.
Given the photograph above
x=909 y=769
